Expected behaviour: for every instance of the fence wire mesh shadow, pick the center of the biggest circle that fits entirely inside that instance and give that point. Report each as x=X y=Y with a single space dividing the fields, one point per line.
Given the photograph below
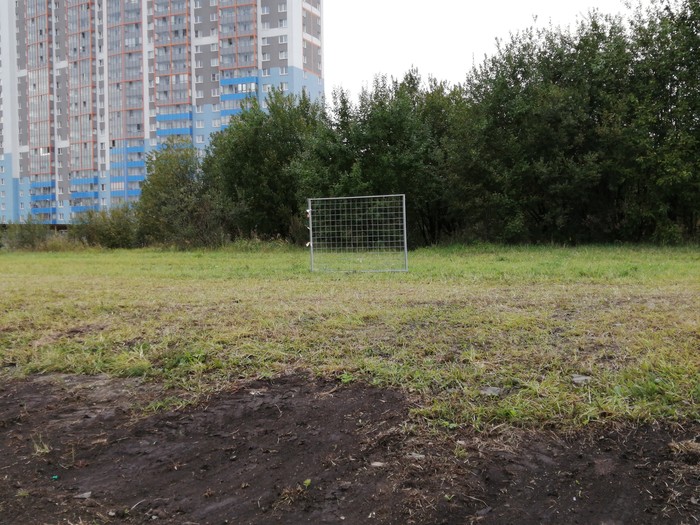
x=358 y=234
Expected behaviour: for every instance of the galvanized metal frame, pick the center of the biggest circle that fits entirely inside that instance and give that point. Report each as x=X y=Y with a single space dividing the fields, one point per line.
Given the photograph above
x=358 y=234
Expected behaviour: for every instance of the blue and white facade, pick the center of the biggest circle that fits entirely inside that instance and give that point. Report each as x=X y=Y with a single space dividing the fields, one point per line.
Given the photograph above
x=89 y=87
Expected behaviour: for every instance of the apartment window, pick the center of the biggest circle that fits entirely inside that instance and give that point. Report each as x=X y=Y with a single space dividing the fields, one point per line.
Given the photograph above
x=199 y=124
x=198 y=109
x=284 y=86
x=216 y=123
x=283 y=55
x=265 y=41
x=215 y=92
x=265 y=10
x=266 y=72
x=212 y=17
x=214 y=62
x=200 y=93
x=283 y=39
x=200 y=139
x=282 y=8
x=214 y=47
x=266 y=25
x=283 y=70
x=282 y=22
x=199 y=79
x=265 y=57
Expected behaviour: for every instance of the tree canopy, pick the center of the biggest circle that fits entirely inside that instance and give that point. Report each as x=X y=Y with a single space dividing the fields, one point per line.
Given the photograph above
x=582 y=134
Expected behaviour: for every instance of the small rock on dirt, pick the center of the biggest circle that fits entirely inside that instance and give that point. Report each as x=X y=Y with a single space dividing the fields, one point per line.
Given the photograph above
x=580 y=380
x=484 y=511
x=491 y=391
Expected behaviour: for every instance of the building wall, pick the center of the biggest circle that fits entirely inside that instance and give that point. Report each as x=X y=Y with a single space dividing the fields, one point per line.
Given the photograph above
x=88 y=89
x=9 y=160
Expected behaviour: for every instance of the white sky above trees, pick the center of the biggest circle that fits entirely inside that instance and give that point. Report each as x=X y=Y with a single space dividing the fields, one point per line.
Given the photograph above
x=441 y=38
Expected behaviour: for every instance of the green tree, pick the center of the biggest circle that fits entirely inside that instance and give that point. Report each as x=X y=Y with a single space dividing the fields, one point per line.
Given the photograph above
x=584 y=135
x=548 y=127
x=588 y=134
x=175 y=208
x=664 y=202
x=248 y=164
x=389 y=142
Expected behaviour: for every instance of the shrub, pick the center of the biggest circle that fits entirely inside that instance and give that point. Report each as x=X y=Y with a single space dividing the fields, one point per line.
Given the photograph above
x=114 y=228
x=29 y=235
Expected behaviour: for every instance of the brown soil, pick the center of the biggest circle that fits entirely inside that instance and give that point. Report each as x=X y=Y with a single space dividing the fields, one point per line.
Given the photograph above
x=296 y=450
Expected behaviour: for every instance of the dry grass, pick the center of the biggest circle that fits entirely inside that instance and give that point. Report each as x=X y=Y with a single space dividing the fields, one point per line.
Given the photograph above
x=690 y=450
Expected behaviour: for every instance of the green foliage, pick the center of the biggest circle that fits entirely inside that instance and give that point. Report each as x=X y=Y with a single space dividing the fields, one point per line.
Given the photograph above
x=390 y=142
x=114 y=228
x=29 y=235
x=667 y=40
x=248 y=164
x=584 y=135
x=581 y=135
x=175 y=208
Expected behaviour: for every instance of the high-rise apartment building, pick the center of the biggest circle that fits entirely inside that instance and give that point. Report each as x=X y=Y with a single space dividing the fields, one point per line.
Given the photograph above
x=89 y=87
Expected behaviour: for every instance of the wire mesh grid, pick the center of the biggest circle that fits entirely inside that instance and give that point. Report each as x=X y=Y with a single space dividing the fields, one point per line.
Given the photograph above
x=362 y=234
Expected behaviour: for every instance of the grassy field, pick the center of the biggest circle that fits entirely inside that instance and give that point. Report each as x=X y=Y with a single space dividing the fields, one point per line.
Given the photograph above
x=523 y=321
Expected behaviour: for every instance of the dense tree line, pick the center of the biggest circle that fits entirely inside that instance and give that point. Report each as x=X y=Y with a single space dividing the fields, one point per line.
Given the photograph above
x=586 y=134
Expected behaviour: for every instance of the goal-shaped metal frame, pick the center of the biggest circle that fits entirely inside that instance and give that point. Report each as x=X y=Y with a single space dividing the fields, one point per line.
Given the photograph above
x=358 y=234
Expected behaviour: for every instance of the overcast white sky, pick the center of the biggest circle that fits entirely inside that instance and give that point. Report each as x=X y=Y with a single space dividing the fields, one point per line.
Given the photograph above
x=442 y=38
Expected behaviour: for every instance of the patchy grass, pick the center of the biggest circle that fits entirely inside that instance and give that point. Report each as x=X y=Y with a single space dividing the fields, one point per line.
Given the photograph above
x=522 y=320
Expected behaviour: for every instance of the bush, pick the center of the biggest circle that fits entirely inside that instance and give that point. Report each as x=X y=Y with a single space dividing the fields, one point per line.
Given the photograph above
x=114 y=228
x=668 y=234
x=30 y=235
x=59 y=242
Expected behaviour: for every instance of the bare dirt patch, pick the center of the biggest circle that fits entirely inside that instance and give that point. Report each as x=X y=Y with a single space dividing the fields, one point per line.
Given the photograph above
x=295 y=450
